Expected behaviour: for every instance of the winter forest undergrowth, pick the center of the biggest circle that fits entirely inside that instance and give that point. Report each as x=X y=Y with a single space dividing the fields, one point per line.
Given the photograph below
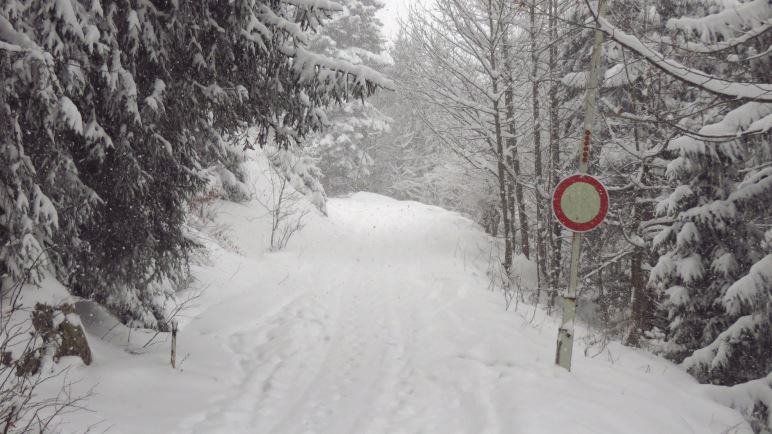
x=256 y=216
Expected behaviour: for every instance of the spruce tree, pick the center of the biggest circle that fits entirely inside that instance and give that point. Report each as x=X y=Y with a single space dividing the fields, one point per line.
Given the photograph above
x=346 y=149
x=110 y=111
x=715 y=285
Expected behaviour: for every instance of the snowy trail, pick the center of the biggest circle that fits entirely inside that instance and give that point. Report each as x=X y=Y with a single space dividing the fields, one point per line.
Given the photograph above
x=339 y=357
x=377 y=320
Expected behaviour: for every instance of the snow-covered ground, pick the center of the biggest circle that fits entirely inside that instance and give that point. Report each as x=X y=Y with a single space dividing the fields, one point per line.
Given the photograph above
x=376 y=319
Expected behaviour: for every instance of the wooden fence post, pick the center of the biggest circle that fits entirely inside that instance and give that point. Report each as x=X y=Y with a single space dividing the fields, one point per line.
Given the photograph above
x=174 y=344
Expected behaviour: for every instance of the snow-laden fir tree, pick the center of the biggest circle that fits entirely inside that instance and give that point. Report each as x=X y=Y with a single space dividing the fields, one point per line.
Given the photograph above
x=717 y=290
x=714 y=273
x=346 y=149
x=110 y=112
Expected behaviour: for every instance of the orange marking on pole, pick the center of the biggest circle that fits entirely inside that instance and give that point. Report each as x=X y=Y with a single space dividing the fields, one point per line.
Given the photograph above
x=586 y=146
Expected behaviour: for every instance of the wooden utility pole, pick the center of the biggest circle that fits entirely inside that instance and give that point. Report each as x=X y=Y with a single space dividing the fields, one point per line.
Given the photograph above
x=565 y=343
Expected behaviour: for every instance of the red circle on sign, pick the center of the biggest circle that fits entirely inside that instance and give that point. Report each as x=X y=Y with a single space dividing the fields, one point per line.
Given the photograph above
x=561 y=215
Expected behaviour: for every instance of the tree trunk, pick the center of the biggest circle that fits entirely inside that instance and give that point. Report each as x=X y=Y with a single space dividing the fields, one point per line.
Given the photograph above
x=511 y=201
x=502 y=174
x=603 y=300
x=640 y=304
x=512 y=157
x=554 y=127
x=538 y=169
x=501 y=168
x=639 y=300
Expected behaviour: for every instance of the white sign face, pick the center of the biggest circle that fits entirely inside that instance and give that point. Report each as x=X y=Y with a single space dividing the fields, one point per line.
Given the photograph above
x=580 y=203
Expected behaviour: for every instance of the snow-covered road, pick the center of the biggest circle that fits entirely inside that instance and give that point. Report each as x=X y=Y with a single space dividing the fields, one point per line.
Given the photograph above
x=378 y=320
x=374 y=340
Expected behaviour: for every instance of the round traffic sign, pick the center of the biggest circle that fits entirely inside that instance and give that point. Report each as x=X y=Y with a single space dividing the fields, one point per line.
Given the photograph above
x=580 y=203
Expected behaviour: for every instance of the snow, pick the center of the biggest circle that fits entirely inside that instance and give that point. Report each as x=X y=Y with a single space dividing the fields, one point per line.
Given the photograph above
x=92 y=36
x=763 y=125
x=64 y=11
x=13 y=40
x=745 y=396
x=316 y=4
x=725 y=264
x=376 y=319
x=756 y=285
x=575 y=79
x=717 y=353
x=70 y=114
x=740 y=120
x=670 y=205
x=690 y=268
x=754 y=187
x=615 y=76
x=687 y=236
x=753 y=91
x=307 y=64
x=724 y=25
x=48 y=290
x=678 y=295
x=524 y=272
x=719 y=214
x=155 y=100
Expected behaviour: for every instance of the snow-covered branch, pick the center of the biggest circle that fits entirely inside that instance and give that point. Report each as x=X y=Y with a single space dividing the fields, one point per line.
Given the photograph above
x=710 y=83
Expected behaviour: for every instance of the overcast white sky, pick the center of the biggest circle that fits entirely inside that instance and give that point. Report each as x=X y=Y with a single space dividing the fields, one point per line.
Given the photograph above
x=389 y=15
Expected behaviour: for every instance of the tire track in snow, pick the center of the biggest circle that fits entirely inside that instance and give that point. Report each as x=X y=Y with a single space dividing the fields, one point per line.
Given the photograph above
x=359 y=356
x=344 y=394
x=267 y=353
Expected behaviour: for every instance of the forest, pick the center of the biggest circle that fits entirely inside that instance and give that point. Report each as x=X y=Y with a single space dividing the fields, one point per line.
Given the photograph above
x=122 y=121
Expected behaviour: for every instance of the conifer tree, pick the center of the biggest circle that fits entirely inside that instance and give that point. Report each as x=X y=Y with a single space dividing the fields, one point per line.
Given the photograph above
x=109 y=111
x=716 y=290
x=346 y=148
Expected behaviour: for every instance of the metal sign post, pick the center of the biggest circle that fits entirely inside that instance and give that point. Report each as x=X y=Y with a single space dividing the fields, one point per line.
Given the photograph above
x=566 y=333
